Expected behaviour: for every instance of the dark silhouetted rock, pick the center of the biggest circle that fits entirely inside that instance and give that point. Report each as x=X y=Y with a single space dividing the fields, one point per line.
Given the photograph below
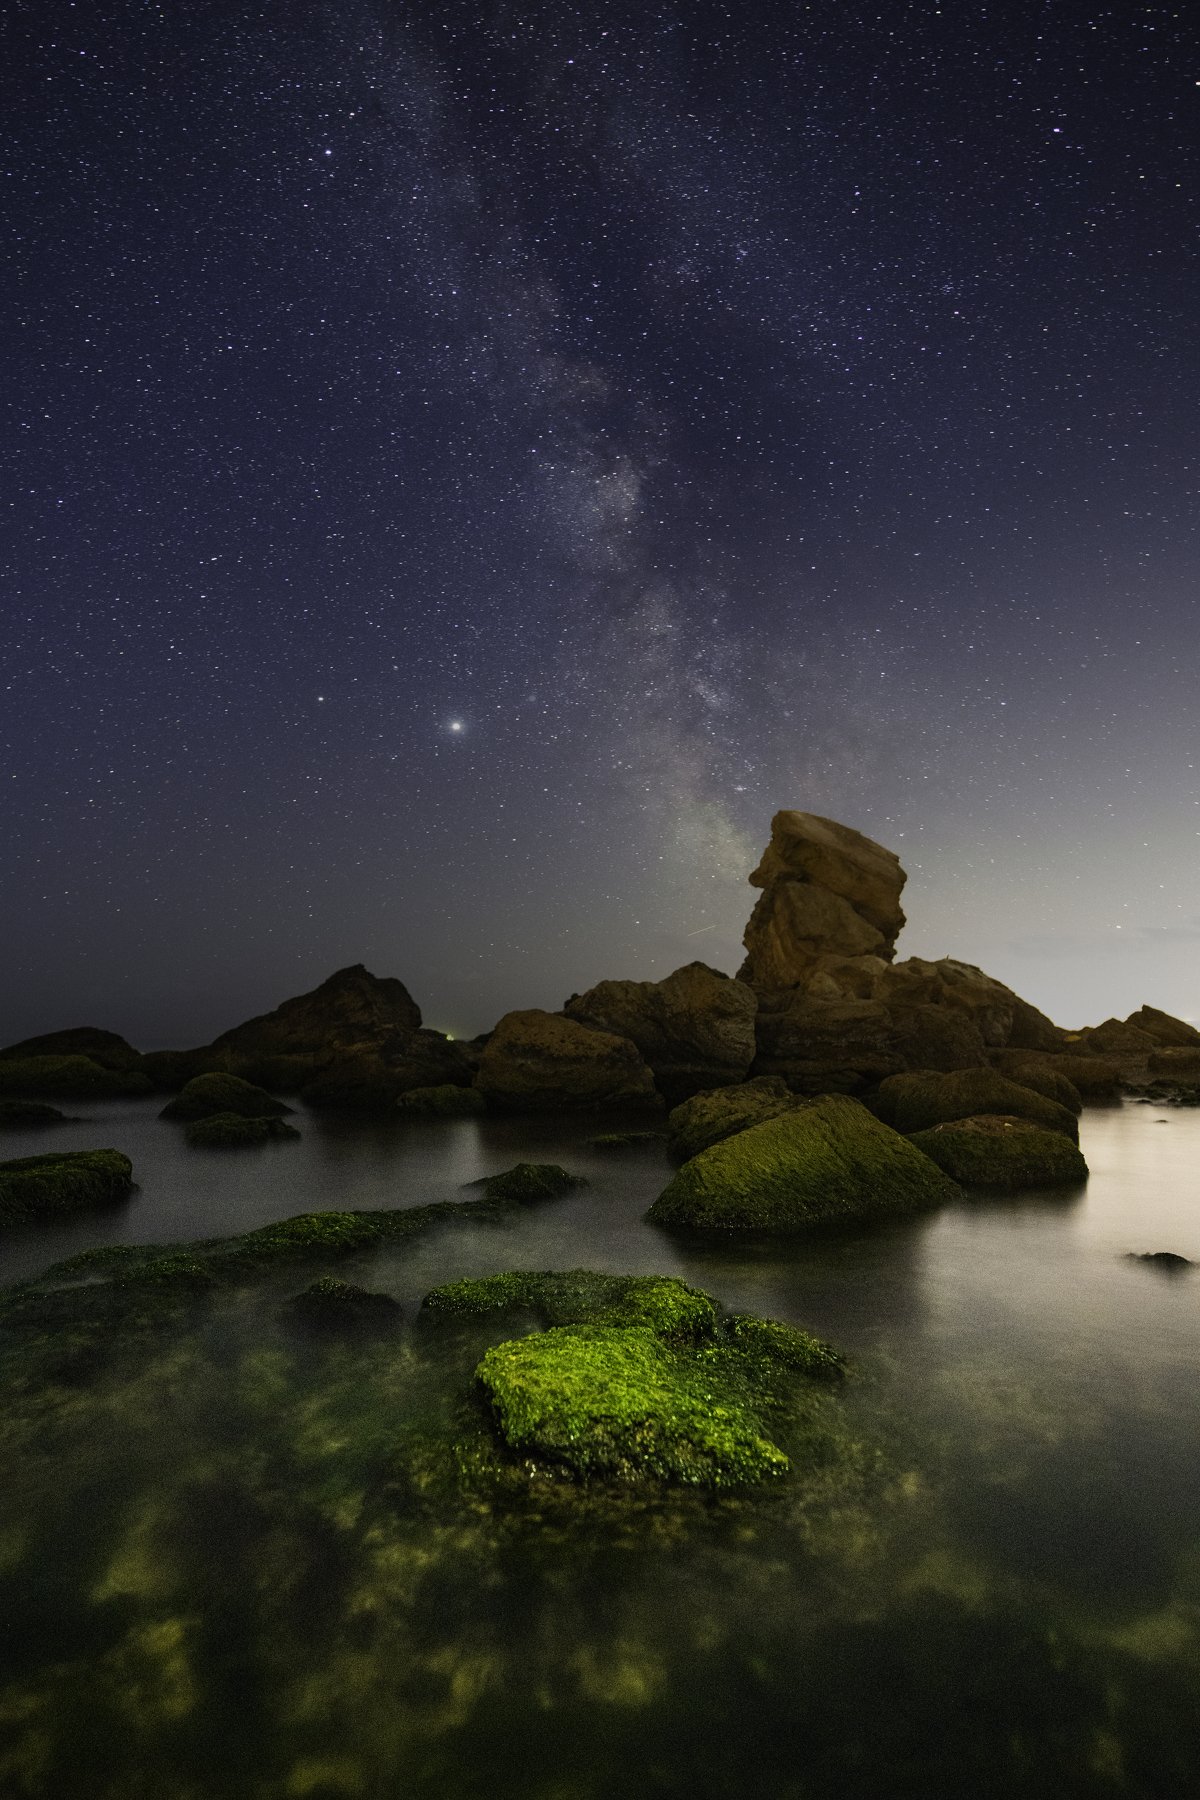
x=63 y=1181
x=16 y=1115
x=707 y=1118
x=443 y=1102
x=539 y=1061
x=372 y=1079
x=992 y=1151
x=234 y=1131
x=826 y=1163
x=1177 y=1064
x=1126 y=1043
x=1164 y=1262
x=69 y=1078
x=102 y=1047
x=331 y=1305
x=207 y=1095
x=1164 y=1029
x=1093 y=1078
x=915 y=1101
x=1047 y=1082
x=526 y=1183
x=695 y=1028
x=825 y=1046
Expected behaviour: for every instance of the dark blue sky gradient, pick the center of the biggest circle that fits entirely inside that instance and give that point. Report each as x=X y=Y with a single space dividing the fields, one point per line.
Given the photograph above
x=465 y=467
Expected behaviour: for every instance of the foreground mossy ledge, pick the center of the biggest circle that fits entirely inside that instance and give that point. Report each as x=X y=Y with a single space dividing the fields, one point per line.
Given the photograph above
x=825 y=1163
x=63 y=1181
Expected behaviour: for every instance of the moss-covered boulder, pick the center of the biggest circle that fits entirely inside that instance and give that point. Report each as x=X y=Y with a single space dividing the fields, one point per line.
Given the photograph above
x=331 y=1305
x=16 y=1115
x=445 y=1101
x=1092 y=1077
x=660 y=1303
x=925 y=1098
x=69 y=1078
x=63 y=1181
x=526 y=1183
x=720 y=1112
x=540 y=1062
x=619 y=1402
x=826 y=1163
x=624 y=1140
x=788 y=1345
x=206 y=1095
x=1049 y=1083
x=230 y=1131
x=992 y=1151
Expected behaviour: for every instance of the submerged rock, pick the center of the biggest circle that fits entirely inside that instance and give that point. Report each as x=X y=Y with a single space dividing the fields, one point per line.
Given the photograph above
x=63 y=1181
x=915 y=1101
x=16 y=1114
x=707 y=1118
x=1168 y=1261
x=538 y=1061
x=206 y=1095
x=69 y=1078
x=329 y=1304
x=695 y=1029
x=527 y=1183
x=826 y=1163
x=991 y=1151
x=233 y=1131
x=581 y=1297
x=445 y=1101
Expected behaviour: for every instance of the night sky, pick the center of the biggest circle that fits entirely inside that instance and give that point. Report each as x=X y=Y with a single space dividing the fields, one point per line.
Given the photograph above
x=466 y=466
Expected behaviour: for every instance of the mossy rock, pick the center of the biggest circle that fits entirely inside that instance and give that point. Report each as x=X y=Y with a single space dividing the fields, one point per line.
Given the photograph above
x=720 y=1112
x=620 y=1403
x=443 y=1102
x=658 y=1303
x=328 y=1304
x=15 y=1115
x=827 y=1163
x=526 y=1183
x=206 y=1095
x=623 y=1140
x=230 y=1131
x=63 y=1181
x=69 y=1078
x=925 y=1098
x=1048 y=1083
x=992 y=1151
x=785 y=1344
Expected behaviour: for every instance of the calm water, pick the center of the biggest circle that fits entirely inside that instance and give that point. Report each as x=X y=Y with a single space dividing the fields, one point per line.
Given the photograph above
x=992 y=1588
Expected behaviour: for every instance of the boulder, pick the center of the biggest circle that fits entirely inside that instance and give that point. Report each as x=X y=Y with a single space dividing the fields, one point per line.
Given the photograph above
x=235 y=1131
x=918 y=1100
x=207 y=1095
x=527 y=1183
x=1047 y=1082
x=1000 y=1017
x=1126 y=1043
x=18 y=1115
x=63 y=1181
x=69 y=1078
x=102 y=1047
x=372 y=1078
x=829 y=1162
x=538 y=1061
x=828 y=893
x=1164 y=1029
x=334 y=1306
x=1091 y=1077
x=994 y=1151
x=695 y=1028
x=825 y=1046
x=445 y=1101
x=1177 y=1064
x=707 y=1118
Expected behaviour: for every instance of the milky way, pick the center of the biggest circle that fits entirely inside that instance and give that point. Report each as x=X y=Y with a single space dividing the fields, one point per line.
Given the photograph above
x=466 y=467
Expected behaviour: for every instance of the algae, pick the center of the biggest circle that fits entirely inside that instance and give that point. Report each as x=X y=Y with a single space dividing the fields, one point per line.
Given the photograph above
x=993 y=1151
x=207 y=1095
x=63 y=1181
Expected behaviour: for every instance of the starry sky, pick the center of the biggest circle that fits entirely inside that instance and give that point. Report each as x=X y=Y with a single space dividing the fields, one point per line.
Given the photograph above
x=465 y=466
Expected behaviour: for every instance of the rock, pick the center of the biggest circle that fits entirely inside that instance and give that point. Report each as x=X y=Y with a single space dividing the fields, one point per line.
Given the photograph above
x=1168 y=1261
x=826 y=1163
x=916 y=1101
x=539 y=1061
x=695 y=1028
x=63 y=1181
x=442 y=1102
x=932 y=1036
x=526 y=1183
x=1177 y=1064
x=331 y=1305
x=102 y=1047
x=1163 y=1028
x=372 y=1079
x=233 y=1131
x=1092 y=1077
x=998 y=1015
x=1114 y=1038
x=618 y=1402
x=69 y=1078
x=206 y=1095
x=623 y=1140
x=822 y=1046
x=1047 y=1082
x=992 y=1151
x=661 y=1303
x=16 y=1115
x=707 y=1118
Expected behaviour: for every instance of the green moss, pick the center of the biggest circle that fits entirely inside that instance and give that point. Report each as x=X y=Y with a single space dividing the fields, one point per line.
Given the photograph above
x=206 y=1095
x=826 y=1163
x=443 y=1102
x=69 y=1078
x=785 y=1344
x=623 y=1140
x=580 y=1297
x=15 y=1115
x=1048 y=1083
x=231 y=1131
x=720 y=1112
x=528 y=1182
x=64 y=1181
x=333 y=1305
x=997 y=1152
x=915 y=1102
x=614 y=1402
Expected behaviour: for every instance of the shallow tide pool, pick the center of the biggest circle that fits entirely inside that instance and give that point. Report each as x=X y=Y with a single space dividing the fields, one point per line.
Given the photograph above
x=216 y=1578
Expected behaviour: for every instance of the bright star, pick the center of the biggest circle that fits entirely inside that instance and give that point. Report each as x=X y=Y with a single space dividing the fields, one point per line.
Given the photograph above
x=456 y=724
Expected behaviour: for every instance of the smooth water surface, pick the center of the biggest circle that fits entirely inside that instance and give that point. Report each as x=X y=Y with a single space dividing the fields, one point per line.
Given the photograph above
x=991 y=1587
